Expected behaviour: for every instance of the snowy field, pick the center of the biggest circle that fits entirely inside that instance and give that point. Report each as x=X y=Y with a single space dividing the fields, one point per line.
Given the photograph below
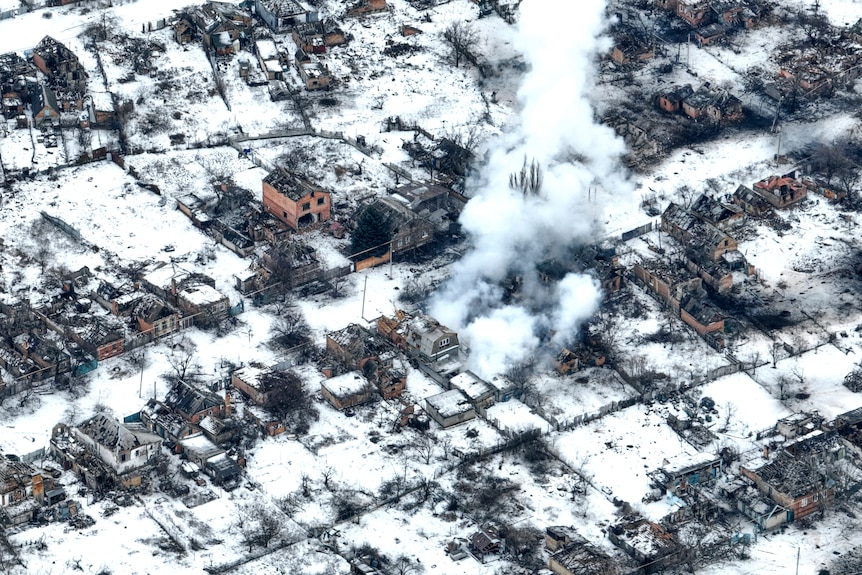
x=807 y=268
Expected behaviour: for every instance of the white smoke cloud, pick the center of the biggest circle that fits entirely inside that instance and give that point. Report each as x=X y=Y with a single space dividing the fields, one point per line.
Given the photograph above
x=510 y=232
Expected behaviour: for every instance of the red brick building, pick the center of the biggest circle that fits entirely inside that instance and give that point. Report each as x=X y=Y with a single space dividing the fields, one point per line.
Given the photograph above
x=294 y=200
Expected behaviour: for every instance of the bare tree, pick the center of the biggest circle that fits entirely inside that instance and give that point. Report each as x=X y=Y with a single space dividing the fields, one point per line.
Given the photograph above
x=269 y=526
x=424 y=447
x=403 y=565
x=182 y=359
x=290 y=504
x=461 y=37
x=528 y=180
x=327 y=473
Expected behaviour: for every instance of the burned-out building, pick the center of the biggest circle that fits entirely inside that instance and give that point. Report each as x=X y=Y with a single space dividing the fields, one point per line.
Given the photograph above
x=64 y=73
x=294 y=200
x=282 y=15
x=648 y=543
x=421 y=336
x=576 y=556
x=781 y=191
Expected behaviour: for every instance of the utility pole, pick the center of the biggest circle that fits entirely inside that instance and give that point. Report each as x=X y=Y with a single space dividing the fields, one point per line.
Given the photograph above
x=364 y=288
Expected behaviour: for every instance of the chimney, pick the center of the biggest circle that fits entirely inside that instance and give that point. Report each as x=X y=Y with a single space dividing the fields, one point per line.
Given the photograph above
x=227 y=404
x=765 y=452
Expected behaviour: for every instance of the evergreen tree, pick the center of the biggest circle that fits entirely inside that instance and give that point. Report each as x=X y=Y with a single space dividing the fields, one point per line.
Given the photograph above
x=371 y=231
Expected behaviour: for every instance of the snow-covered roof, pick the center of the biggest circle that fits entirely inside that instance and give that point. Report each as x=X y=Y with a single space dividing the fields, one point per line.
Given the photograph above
x=164 y=274
x=351 y=383
x=685 y=461
x=200 y=446
x=112 y=434
x=201 y=294
x=266 y=49
x=471 y=384
x=449 y=403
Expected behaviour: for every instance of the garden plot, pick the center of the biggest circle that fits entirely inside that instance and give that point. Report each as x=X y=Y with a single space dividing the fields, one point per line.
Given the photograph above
x=583 y=393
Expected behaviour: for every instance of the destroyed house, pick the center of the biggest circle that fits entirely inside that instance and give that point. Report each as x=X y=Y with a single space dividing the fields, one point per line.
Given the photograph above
x=781 y=191
x=678 y=473
x=13 y=70
x=294 y=200
x=710 y=34
x=477 y=390
x=167 y=280
x=282 y=15
x=43 y=352
x=64 y=72
x=700 y=314
x=16 y=483
x=224 y=27
x=485 y=542
x=631 y=47
x=366 y=7
x=292 y=263
x=694 y=12
x=751 y=202
x=313 y=73
x=648 y=543
x=269 y=58
x=670 y=282
x=793 y=483
x=408 y=230
x=671 y=100
x=204 y=304
x=713 y=212
x=706 y=240
x=99 y=338
x=193 y=403
x=164 y=422
x=122 y=447
x=310 y=37
x=579 y=557
x=715 y=104
x=728 y=12
x=155 y=317
x=355 y=346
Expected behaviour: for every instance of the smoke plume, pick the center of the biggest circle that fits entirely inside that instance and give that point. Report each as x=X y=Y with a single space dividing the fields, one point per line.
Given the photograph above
x=510 y=231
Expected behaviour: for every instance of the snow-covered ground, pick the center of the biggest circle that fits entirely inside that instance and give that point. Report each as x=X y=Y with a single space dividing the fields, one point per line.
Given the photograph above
x=805 y=267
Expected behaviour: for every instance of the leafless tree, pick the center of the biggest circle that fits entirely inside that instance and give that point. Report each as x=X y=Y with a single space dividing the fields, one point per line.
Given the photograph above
x=305 y=484
x=244 y=525
x=784 y=385
x=729 y=413
x=182 y=359
x=528 y=180
x=269 y=526
x=327 y=473
x=403 y=565
x=461 y=38
x=290 y=504
x=423 y=446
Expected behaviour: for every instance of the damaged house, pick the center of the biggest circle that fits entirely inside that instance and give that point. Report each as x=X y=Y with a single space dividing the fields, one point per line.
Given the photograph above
x=224 y=28
x=294 y=200
x=574 y=555
x=421 y=336
x=356 y=348
x=282 y=15
x=806 y=473
x=781 y=191
x=648 y=543
x=104 y=450
x=64 y=73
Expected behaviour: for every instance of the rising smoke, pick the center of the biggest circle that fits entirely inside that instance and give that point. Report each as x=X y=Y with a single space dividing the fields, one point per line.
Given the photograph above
x=512 y=232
